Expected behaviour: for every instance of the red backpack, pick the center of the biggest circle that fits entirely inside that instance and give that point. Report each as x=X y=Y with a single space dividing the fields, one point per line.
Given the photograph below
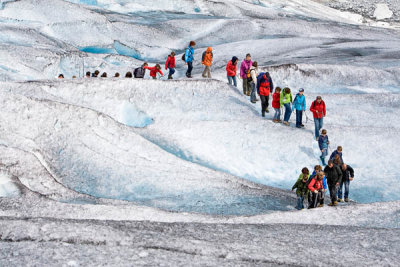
x=265 y=86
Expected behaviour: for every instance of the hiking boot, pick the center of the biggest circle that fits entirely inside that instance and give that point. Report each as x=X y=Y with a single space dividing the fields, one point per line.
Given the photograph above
x=302 y=125
x=331 y=204
x=279 y=121
x=252 y=101
x=346 y=199
x=320 y=205
x=266 y=110
x=286 y=123
x=275 y=121
x=248 y=93
x=340 y=200
x=335 y=203
x=204 y=76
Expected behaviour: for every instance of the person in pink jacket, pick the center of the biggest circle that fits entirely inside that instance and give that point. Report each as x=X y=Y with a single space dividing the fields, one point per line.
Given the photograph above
x=245 y=75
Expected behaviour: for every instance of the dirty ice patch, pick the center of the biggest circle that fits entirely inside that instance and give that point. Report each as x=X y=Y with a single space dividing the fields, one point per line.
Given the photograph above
x=7 y=187
x=131 y=116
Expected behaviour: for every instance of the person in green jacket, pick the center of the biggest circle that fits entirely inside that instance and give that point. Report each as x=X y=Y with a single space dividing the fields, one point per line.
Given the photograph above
x=302 y=189
x=286 y=100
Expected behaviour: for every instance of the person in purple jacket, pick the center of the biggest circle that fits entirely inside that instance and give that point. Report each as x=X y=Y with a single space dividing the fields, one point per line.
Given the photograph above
x=244 y=70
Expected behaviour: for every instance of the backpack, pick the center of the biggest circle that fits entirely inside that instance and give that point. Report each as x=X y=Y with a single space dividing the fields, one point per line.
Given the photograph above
x=310 y=179
x=135 y=72
x=183 y=56
x=249 y=78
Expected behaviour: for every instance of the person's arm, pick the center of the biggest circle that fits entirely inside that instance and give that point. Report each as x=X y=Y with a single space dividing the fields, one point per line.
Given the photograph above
x=312 y=107
x=320 y=142
x=187 y=54
x=311 y=185
x=161 y=72
x=332 y=157
x=340 y=174
x=296 y=185
x=325 y=185
x=324 y=112
x=167 y=63
x=351 y=170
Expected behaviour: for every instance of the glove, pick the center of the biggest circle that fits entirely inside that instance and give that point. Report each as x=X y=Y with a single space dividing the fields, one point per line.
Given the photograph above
x=316 y=191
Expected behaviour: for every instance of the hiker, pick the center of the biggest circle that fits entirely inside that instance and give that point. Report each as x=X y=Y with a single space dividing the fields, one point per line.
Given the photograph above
x=286 y=100
x=299 y=104
x=318 y=109
x=140 y=71
x=318 y=169
x=87 y=74
x=206 y=60
x=253 y=82
x=347 y=176
x=323 y=142
x=95 y=74
x=302 y=190
x=128 y=74
x=264 y=89
x=154 y=70
x=61 y=76
x=231 y=69
x=189 y=57
x=245 y=74
x=170 y=65
x=334 y=178
x=276 y=104
x=104 y=75
x=74 y=77
x=338 y=151
x=116 y=75
x=316 y=188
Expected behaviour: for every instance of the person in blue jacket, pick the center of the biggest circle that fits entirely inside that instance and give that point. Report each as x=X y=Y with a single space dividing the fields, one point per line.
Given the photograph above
x=338 y=151
x=189 y=57
x=323 y=142
x=299 y=104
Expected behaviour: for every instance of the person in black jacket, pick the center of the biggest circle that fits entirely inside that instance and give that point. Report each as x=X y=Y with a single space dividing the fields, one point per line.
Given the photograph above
x=348 y=175
x=141 y=71
x=333 y=175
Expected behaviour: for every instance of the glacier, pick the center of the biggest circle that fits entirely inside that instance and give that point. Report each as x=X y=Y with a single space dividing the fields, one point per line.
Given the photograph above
x=116 y=171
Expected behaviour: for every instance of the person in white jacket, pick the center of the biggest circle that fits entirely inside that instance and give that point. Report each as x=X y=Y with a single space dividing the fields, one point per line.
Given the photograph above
x=253 y=73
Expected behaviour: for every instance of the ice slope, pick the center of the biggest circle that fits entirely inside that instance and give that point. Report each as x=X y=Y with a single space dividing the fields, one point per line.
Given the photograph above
x=212 y=124
x=90 y=153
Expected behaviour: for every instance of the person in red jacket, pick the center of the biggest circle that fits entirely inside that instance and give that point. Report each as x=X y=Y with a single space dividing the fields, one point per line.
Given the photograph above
x=318 y=109
x=231 y=69
x=276 y=104
x=316 y=188
x=154 y=70
x=170 y=64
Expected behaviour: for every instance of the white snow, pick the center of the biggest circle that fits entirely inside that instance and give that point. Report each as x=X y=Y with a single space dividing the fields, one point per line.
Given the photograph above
x=7 y=186
x=382 y=11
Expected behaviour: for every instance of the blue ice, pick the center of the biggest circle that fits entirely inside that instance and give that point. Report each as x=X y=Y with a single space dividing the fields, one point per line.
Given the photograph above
x=131 y=116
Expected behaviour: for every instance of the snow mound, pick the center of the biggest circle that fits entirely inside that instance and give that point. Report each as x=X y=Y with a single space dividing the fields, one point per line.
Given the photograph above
x=7 y=187
x=382 y=11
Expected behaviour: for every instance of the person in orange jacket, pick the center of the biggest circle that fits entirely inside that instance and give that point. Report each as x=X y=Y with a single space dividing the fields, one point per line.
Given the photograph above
x=154 y=70
x=170 y=64
x=207 y=60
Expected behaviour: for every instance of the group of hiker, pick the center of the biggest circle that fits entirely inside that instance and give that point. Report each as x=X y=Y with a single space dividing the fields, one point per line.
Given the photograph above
x=334 y=176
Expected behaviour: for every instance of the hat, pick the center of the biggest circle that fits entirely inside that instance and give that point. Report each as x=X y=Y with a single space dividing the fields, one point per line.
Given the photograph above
x=301 y=90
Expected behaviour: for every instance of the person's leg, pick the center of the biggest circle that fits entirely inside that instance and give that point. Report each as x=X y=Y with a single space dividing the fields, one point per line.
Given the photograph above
x=298 y=206
x=301 y=117
x=244 y=85
x=332 y=192
x=298 y=118
x=340 y=190
x=190 y=68
x=262 y=98
x=314 y=201
x=316 y=124
x=276 y=114
x=234 y=81
x=253 y=92
x=279 y=114
x=346 y=189
x=230 y=80
x=204 y=72
x=302 y=202
x=321 y=198
x=267 y=103
x=154 y=77
x=209 y=71
x=288 y=110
